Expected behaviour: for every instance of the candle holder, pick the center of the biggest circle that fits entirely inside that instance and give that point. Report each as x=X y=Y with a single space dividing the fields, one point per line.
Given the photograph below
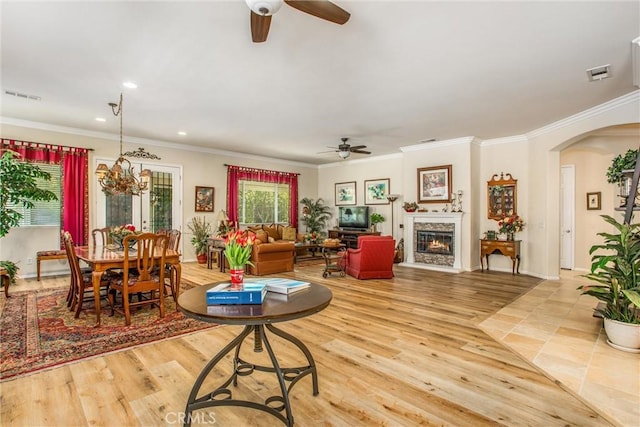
x=459 y=201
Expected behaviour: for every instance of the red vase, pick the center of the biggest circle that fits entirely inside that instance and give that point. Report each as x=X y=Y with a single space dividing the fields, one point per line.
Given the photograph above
x=237 y=276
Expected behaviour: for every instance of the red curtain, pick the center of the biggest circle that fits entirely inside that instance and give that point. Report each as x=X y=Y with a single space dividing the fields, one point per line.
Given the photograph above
x=75 y=197
x=74 y=163
x=237 y=173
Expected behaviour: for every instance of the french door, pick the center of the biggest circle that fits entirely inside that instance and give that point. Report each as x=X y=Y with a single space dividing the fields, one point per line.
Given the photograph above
x=158 y=208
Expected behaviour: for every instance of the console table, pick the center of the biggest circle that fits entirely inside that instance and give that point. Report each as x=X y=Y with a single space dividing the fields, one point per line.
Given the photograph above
x=350 y=237
x=257 y=320
x=508 y=248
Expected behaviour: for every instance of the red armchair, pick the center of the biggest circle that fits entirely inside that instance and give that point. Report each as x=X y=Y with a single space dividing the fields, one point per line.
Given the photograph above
x=373 y=259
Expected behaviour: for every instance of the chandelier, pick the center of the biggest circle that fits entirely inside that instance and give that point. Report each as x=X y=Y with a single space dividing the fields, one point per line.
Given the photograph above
x=120 y=178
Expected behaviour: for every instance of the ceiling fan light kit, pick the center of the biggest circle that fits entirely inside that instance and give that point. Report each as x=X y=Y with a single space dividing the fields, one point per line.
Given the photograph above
x=264 y=7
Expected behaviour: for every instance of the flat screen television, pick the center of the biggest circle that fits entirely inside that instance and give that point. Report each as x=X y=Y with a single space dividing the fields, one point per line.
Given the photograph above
x=353 y=217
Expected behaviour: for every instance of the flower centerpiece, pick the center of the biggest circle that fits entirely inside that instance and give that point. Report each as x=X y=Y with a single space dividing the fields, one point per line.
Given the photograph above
x=312 y=237
x=509 y=225
x=237 y=250
x=119 y=232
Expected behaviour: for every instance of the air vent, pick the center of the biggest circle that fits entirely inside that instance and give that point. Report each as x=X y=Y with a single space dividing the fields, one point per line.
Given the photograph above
x=599 y=73
x=23 y=95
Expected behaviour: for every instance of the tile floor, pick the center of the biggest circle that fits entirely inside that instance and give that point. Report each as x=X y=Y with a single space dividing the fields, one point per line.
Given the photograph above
x=552 y=327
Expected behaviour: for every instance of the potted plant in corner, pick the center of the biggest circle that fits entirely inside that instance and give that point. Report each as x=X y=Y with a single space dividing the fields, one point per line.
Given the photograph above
x=19 y=188
x=621 y=170
x=617 y=272
x=376 y=218
x=201 y=230
x=315 y=214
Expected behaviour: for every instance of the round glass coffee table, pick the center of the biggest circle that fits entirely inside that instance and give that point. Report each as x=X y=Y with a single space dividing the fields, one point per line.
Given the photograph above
x=257 y=319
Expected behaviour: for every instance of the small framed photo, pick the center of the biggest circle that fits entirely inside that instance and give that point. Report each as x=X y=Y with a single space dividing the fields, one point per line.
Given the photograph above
x=204 y=199
x=376 y=191
x=434 y=184
x=594 y=201
x=345 y=193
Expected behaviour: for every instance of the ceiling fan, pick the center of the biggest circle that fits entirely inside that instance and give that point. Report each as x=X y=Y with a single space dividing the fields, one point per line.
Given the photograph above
x=344 y=150
x=261 y=11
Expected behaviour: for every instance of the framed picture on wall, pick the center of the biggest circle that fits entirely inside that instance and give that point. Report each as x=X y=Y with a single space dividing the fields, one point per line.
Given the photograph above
x=594 y=201
x=434 y=184
x=345 y=193
x=376 y=191
x=204 y=199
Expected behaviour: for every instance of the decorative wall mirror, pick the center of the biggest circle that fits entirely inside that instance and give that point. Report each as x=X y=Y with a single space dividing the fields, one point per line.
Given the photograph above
x=502 y=195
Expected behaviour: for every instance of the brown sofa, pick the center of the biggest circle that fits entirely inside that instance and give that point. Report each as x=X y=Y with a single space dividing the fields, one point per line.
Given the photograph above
x=270 y=253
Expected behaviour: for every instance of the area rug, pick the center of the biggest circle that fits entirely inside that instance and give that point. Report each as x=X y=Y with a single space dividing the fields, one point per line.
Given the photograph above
x=37 y=330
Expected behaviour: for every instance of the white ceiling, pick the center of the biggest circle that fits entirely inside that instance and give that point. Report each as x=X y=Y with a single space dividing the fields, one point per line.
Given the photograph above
x=396 y=74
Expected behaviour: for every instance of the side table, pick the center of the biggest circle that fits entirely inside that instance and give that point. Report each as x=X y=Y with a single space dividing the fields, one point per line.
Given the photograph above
x=257 y=320
x=334 y=258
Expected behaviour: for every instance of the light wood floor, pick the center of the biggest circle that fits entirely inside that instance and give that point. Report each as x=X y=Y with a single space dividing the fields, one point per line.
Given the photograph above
x=398 y=352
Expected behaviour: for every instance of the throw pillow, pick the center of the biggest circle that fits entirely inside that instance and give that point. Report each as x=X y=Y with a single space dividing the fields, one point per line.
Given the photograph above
x=262 y=236
x=271 y=239
x=272 y=230
x=289 y=233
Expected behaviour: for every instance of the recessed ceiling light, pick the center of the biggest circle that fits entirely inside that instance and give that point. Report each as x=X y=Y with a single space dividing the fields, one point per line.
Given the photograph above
x=130 y=85
x=182 y=133
x=100 y=119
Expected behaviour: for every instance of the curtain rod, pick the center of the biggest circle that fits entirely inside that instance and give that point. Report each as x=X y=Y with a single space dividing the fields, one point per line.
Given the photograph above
x=263 y=170
x=44 y=143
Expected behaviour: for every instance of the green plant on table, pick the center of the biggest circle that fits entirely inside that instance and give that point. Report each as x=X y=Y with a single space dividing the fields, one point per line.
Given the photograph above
x=376 y=218
x=619 y=164
x=617 y=272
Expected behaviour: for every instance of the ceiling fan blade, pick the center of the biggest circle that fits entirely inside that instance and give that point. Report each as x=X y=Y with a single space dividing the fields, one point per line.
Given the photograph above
x=322 y=9
x=361 y=151
x=358 y=147
x=259 y=27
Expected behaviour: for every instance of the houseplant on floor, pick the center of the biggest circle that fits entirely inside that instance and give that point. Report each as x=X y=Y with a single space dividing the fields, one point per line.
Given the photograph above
x=201 y=230
x=617 y=272
x=315 y=214
x=19 y=188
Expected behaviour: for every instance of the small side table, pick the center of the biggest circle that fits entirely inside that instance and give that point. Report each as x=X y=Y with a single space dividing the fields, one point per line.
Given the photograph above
x=5 y=280
x=508 y=248
x=334 y=258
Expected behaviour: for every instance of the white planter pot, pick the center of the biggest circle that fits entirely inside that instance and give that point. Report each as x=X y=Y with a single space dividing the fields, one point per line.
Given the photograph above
x=623 y=336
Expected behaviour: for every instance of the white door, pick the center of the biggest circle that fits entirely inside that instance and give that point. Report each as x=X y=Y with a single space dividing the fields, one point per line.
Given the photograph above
x=567 y=216
x=158 y=208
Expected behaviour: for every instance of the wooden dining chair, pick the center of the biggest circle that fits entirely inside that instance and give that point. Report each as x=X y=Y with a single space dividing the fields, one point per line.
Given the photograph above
x=101 y=236
x=81 y=280
x=144 y=276
x=171 y=273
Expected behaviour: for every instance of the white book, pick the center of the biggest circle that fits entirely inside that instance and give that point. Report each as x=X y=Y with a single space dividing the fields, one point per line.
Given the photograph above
x=283 y=286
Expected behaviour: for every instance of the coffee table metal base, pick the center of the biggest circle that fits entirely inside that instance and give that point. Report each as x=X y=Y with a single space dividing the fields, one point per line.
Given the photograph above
x=274 y=405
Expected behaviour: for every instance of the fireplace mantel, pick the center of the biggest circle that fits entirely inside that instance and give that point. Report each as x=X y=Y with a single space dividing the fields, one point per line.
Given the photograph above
x=410 y=221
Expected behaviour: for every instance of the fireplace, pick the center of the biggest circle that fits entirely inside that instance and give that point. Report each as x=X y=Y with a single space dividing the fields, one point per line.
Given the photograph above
x=434 y=242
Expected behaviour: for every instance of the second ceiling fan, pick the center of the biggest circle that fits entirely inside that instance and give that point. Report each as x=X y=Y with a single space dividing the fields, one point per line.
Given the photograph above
x=261 y=11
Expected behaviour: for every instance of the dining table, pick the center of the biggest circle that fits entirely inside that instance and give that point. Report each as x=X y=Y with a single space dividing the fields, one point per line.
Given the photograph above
x=102 y=258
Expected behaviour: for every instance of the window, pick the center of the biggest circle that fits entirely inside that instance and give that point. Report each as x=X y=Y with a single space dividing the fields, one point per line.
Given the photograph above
x=263 y=202
x=44 y=213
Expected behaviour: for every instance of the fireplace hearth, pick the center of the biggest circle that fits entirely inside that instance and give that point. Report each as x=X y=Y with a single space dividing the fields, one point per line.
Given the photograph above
x=434 y=242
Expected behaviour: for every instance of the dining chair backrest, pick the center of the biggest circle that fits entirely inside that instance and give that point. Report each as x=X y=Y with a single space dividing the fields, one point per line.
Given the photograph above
x=74 y=263
x=174 y=239
x=149 y=253
x=101 y=236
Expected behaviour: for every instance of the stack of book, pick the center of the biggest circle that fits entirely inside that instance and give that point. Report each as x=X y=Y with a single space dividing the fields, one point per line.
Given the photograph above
x=253 y=291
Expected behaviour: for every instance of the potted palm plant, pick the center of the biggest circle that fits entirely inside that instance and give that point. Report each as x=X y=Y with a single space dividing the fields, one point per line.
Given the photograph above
x=201 y=230
x=315 y=214
x=617 y=272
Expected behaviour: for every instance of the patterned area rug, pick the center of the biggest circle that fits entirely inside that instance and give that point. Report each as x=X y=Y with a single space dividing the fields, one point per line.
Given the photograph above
x=37 y=330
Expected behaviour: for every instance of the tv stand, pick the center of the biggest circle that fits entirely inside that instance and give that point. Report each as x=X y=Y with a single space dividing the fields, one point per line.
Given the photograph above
x=350 y=237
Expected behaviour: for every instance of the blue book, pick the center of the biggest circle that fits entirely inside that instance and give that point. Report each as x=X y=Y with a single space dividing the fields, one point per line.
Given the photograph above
x=250 y=293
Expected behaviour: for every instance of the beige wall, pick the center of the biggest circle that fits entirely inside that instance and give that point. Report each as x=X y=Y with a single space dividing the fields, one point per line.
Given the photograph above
x=203 y=167
x=591 y=157
x=534 y=159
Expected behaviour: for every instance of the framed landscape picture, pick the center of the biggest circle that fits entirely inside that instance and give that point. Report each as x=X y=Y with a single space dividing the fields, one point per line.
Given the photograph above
x=204 y=199
x=434 y=184
x=345 y=193
x=376 y=192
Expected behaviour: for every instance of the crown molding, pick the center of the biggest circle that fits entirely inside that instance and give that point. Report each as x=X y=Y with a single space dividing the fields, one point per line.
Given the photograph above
x=505 y=140
x=632 y=97
x=437 y=144
x=143 y=141
x=363 y=160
